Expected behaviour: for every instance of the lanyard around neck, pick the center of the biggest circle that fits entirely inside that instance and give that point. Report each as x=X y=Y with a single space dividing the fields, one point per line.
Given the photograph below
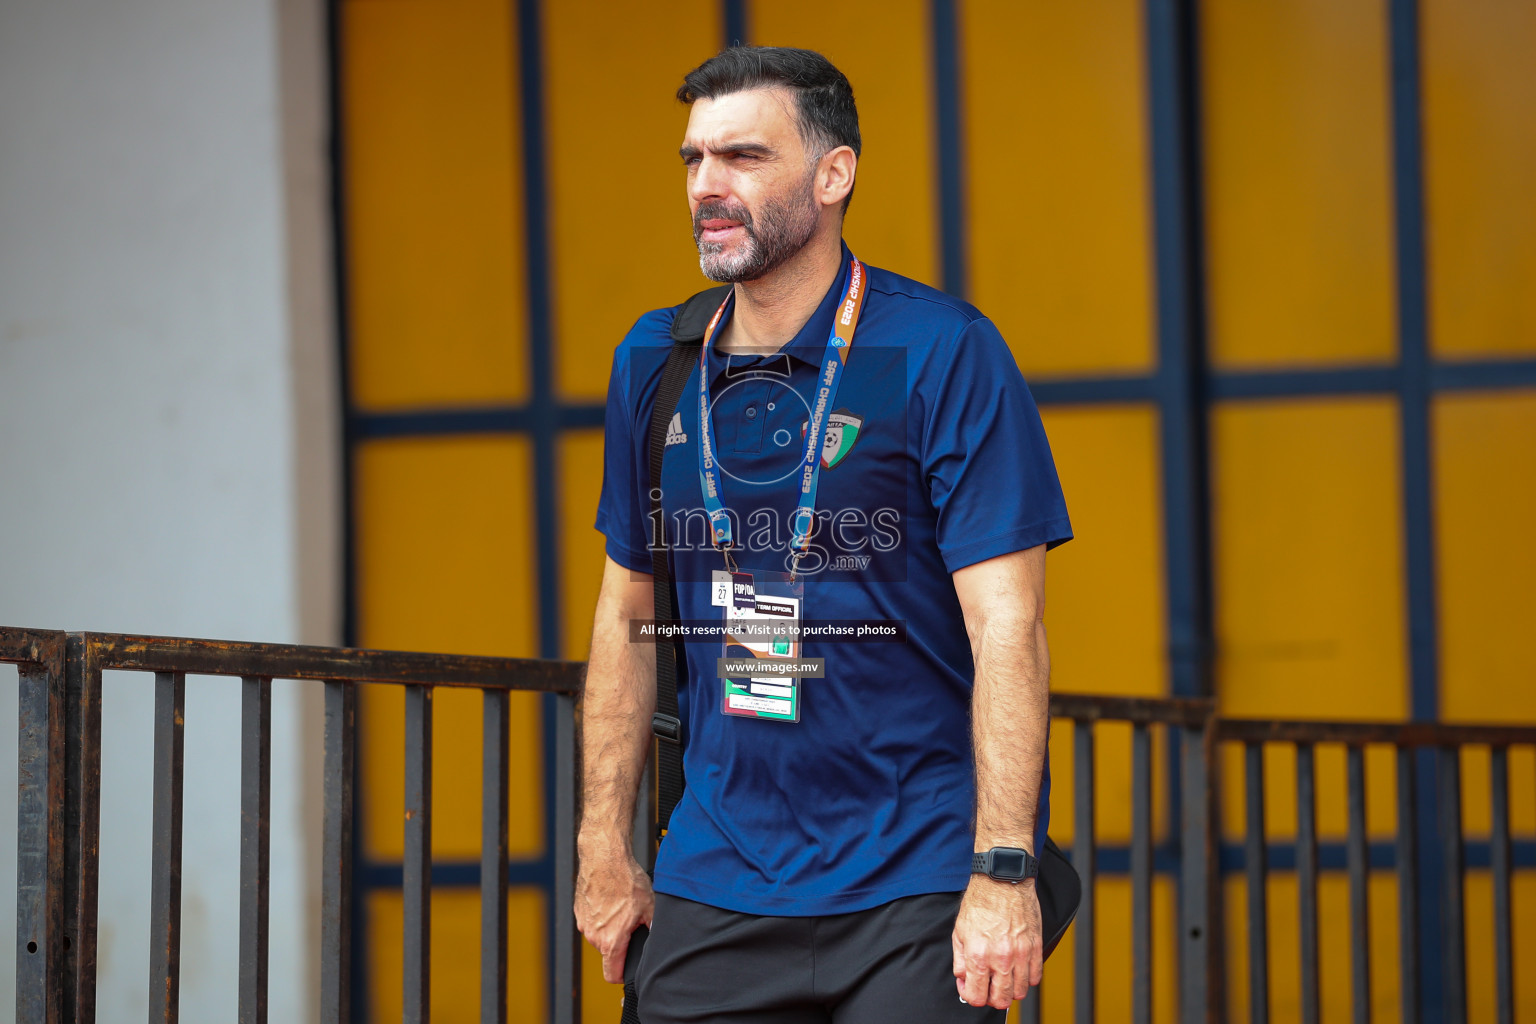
x=839 y=341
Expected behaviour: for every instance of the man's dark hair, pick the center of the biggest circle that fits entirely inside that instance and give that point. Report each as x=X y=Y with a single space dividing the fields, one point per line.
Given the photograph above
x=826 y=115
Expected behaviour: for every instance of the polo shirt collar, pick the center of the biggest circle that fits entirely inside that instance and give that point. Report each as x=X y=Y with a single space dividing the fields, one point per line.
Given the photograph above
x=810 y=343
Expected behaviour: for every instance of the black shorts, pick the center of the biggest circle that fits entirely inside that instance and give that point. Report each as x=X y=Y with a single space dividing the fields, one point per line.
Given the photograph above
x=885 y=965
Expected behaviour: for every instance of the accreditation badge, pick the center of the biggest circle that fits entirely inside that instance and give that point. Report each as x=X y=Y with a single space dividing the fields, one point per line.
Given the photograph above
x=760 y=653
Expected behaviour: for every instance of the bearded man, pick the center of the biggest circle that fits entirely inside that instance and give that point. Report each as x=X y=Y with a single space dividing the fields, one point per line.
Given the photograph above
x=857 y=839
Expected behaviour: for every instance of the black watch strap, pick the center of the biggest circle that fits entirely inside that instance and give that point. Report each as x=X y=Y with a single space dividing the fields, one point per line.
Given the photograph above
x=1005 y=864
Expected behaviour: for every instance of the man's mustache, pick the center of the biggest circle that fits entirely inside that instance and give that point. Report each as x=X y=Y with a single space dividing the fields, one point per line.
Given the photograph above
x=720 y=211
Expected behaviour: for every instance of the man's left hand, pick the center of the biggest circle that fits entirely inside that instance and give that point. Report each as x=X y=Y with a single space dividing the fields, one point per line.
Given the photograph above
x=999 y=953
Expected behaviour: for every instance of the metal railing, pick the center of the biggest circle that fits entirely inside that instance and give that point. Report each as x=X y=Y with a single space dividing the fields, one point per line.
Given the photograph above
x=59 y=816
x=59 y=811
x=1421 y=751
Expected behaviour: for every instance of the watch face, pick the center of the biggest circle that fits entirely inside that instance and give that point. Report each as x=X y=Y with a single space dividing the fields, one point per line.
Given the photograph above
x=1007 y=863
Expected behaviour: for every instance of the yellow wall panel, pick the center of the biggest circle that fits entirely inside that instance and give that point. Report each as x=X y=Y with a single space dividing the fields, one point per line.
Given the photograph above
x=1298 y=181
x=1485 y=505
x=1480 y=160
x=619 y=234
x=885 y=52
x=1108 y=582
x=1057 y=198
x=581 y=546
x=456 y=956
x=446 y=546
x=434 y=229
x=445 y=563
x=1307 y=541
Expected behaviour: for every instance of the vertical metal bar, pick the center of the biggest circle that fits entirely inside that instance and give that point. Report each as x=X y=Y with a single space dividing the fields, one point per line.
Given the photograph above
x=493 y=858
x=734 y=17
x=1199 y=881
x=255 y=844
x=1356 y=856
x=1407 y=886
x=336 y=869
x=567 y=991
x=1503 y=940
x=1454 y=950
x=1173 y=108
x=418 y=854
x=1306 y=879
x=1256 y=866
x=165 y=866
x=1083 y=860
x=82 y=826
x=1415 y=395
x=949 y=154
x=39 y=840
x=1141 y=875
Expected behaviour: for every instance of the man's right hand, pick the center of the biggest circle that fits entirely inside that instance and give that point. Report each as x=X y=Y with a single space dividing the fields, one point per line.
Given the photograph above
x=613 y=898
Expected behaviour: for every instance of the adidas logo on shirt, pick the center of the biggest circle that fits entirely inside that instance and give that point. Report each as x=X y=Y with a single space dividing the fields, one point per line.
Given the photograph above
x=675 y=433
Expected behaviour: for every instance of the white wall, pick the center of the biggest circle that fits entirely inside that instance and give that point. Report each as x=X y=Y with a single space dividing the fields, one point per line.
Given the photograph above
x=168 y=450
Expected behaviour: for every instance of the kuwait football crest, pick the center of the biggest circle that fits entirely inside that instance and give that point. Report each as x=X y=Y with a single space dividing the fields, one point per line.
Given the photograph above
x=842 y=431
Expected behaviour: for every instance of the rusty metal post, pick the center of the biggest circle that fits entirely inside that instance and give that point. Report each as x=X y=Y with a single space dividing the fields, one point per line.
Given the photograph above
x=493 y=857
x=336 y=865
x=255 y=845
x=1357 y=856
x=1453 y=860
x=1407 y=887
x=1199 y=880
x=1083 y=860
x=418 y=854
x=165 y=860
x=1256 y=867
x=1306 y=879
x=82 y=827
x=567 y=994
x=1503 y=938
x=40 y=836
x=1141 y=874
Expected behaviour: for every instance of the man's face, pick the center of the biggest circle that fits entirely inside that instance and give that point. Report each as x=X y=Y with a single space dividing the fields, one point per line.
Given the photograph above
x=750 y=183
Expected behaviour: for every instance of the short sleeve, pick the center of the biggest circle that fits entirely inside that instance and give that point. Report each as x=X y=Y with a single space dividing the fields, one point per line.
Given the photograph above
x=620 y=511
x=986 y=461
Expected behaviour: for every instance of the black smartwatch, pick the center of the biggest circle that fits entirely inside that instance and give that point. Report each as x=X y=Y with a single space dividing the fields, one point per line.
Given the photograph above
x=1005 y=864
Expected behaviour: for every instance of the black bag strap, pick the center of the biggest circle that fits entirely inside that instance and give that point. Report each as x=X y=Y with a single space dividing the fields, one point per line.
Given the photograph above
x=688 y=329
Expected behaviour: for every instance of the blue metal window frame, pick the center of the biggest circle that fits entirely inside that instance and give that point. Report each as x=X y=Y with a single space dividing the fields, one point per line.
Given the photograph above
x=1182 y=387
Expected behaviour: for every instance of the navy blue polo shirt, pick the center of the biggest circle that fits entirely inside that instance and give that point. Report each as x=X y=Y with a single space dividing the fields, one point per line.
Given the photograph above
x=935 y=459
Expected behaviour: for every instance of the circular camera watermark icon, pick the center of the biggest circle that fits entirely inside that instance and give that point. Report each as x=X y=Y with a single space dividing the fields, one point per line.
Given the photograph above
x=774 y=397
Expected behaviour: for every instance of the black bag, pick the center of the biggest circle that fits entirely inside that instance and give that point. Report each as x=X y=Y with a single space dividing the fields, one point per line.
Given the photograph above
x=1058 y=886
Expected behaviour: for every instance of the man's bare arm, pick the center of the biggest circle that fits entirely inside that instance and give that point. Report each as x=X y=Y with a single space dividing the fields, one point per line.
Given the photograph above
x=613 y=893
x=616 y=711
x=1004 y=604
x=998 y=945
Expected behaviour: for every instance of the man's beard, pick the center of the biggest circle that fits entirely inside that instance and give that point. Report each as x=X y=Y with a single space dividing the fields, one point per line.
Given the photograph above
x=785 y=227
